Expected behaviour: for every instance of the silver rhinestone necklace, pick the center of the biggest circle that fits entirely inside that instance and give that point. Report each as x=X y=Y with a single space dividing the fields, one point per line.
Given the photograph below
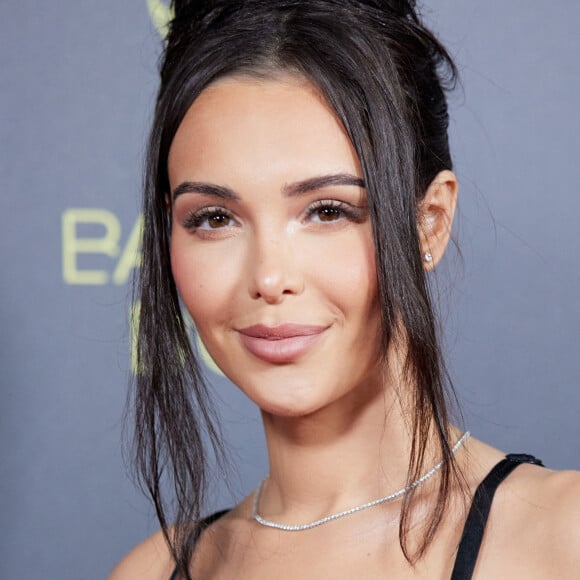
x=348 y=512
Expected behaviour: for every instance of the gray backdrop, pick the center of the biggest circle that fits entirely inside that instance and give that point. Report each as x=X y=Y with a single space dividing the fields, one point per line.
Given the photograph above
x=77 y=84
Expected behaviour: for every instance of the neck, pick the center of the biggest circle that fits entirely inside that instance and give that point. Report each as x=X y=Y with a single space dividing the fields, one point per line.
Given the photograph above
x=346 y=454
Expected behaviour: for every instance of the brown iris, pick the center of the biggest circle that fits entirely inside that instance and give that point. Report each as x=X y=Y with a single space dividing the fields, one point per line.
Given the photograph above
x=328 y=214
x=218 y=220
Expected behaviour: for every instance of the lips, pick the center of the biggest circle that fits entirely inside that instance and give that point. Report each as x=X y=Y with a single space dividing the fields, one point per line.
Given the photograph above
x=280 y=344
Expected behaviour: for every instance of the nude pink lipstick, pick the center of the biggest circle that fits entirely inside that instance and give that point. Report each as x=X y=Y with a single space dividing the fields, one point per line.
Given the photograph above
x=280 y=344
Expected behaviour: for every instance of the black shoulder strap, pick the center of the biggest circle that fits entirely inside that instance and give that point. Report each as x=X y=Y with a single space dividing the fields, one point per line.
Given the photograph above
x=479 y=512
x=213 y=517
x=205 y=523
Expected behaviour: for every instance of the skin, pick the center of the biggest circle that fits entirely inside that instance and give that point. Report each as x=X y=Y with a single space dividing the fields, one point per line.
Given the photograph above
x=334 y=425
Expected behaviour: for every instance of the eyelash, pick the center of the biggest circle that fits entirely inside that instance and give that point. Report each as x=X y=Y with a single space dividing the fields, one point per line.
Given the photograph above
x=195 y=219
x=341 y=209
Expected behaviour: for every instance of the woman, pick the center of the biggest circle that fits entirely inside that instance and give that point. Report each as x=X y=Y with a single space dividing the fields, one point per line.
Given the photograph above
x=299 y=189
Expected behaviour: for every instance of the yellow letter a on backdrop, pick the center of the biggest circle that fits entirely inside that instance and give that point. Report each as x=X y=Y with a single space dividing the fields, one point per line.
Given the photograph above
x=131 y=256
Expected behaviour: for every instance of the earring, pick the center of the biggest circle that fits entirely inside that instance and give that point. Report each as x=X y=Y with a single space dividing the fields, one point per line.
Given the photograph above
x=428 y=257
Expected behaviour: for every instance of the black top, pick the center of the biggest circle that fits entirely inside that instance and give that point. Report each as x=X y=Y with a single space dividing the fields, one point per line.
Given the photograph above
x=476 y=519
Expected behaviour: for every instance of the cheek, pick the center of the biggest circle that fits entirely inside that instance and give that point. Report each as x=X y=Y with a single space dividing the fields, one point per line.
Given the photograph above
x=204 y=281
x=350 y=273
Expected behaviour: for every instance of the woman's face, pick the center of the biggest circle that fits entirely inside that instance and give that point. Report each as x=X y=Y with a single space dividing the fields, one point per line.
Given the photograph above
x=271 y=243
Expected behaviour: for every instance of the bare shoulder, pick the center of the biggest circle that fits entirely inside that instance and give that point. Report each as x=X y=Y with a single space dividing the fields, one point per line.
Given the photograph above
x=533 y=530
x=555 y=495
x=543 y=511
x=560 y=492
x=150 y=560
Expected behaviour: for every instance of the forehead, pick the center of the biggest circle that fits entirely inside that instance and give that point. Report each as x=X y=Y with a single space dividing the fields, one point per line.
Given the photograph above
x=280 y=124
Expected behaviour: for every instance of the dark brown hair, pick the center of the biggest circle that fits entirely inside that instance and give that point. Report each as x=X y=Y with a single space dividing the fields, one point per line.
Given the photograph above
x=384 y=75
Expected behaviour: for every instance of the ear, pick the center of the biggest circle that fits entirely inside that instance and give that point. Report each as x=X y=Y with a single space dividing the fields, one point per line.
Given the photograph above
x=435 y=217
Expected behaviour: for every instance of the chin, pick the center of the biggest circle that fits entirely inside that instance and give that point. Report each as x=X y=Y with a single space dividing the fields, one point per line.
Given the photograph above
x=289 y=399
x=289 y=411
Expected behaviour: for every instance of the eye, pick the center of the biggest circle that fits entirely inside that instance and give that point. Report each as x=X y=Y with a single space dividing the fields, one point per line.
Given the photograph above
x=328 y=214
x=325 y=211
x=209 y=218
x=218 y=220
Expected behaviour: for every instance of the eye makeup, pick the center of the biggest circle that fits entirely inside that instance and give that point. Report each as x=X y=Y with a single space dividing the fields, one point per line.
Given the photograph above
x=208 y=218
x=330 y=210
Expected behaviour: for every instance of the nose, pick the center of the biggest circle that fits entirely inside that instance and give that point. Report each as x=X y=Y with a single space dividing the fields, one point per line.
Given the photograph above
x=274 y=270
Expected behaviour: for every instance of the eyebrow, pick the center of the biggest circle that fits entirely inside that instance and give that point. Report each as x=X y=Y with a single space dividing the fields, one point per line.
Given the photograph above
x=315 y=183
x=289 y=190
x=205 y=189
